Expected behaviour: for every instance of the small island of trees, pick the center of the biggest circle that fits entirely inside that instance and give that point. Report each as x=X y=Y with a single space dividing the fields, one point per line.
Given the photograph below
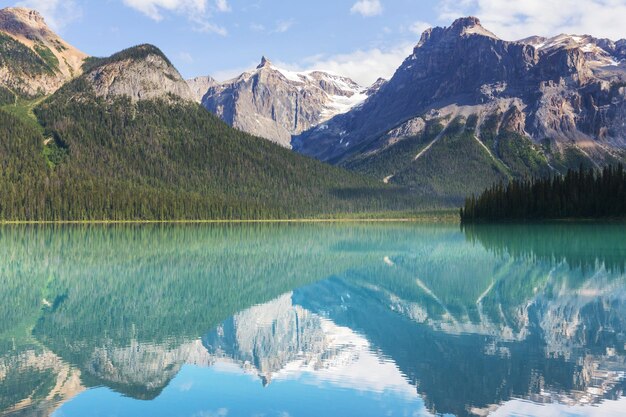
x=581 y=194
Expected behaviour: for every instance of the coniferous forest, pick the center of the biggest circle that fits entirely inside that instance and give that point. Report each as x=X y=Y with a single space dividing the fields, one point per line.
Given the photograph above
x=579 y=194
x=80 y=157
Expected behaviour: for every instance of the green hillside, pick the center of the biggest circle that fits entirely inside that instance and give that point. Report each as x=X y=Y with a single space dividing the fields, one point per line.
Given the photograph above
x=87 y=158
x=464 y=158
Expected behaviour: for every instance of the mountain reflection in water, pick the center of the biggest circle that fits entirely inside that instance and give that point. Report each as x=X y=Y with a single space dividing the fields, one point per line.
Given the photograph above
x=313 y=320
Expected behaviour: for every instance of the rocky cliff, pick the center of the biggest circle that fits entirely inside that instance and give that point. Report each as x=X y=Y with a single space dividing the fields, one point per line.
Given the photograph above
x=140 y=73
x=200 y=85
x=276 y=104
x=33 y=59
x=563 y=99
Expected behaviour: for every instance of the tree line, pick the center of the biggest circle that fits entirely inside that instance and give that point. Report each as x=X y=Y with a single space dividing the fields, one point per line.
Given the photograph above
x=88 y=158
x=582 y=193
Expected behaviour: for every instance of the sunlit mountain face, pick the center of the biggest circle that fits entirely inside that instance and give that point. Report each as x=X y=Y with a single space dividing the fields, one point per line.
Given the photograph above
x=313 y=320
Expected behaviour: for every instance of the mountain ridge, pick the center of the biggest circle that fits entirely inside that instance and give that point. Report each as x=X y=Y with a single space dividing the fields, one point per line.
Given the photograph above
x=276 y=104
x=36 y=60
x=530 y=110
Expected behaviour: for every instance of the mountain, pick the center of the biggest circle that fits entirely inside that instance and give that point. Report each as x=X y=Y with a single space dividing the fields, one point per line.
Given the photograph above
x=126 y=140
x=200 y=85
x=276 y=104
x=467 y=109
x=140 y=73
x=34 y=61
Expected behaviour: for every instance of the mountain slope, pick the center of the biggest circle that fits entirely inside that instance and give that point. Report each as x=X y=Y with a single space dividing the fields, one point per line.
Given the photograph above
x=533 y=107
x=200 y=85
x=129 y=149
x=140 y=73
x=276 y=104
x=34 y=60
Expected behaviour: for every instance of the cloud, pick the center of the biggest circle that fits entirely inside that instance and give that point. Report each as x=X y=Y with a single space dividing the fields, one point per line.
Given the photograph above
x=363 y=66
x=154 y=8
x=257 y=27
x=283 y=26
x=367 y=8
x=185 y=57
x=419 y=27
x=58 y=13
x=222 y=6
x=203 y=26
x=198 y=12
x=514 y=20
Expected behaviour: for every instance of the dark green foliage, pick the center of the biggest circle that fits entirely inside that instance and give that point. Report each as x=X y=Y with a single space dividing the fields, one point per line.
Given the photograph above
x=48 y=56
x=163 y=160
x=136 y=53
x=396 y=157
x=518 y=153
x=455 y=166
x=18 y=58
x=571 y=158
x=489 y=131
x=578 y=194
x=7 y=97
x=54 y=152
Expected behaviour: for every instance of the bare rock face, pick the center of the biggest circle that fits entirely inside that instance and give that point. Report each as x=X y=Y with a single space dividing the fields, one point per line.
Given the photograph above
x=200 y=85
x=568 y=90
x=33 y=59
x=140 y=73
x=276 y=104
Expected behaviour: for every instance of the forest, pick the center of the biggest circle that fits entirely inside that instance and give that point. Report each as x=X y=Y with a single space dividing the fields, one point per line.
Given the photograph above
x=579 y=194
x=79 y=157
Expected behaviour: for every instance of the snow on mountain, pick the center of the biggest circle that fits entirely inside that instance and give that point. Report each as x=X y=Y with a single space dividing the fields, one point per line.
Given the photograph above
x=598 y=52
x=275 y=103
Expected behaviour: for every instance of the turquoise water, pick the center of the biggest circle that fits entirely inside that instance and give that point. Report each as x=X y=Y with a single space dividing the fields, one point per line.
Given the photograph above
x=313 y=320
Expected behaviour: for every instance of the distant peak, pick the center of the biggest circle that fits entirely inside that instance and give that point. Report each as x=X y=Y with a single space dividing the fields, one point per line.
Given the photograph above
x=470 y=26
x=466 y=22
x=264 y=63
x=24 y=14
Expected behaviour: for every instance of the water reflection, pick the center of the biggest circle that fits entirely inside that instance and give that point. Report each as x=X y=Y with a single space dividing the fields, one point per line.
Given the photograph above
x=330 y=319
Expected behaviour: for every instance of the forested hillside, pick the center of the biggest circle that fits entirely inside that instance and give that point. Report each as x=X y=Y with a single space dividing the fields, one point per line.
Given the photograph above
x=578 y=194
x=90 y=158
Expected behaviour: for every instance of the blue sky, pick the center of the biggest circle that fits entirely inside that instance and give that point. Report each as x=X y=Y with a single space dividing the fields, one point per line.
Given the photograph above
x=363 y=39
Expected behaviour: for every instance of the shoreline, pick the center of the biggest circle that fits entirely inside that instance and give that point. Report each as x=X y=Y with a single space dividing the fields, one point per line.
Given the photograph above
x=106 y=222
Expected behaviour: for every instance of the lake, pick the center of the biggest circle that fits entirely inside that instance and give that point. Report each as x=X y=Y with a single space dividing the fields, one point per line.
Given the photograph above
x=313 y=320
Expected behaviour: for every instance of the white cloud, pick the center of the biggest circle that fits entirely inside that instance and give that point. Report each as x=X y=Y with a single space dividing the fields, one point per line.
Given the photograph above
x=283 y=26
x=58 y=13
x=185 y=57
x=367 y=8
x=154 y=8
x=419 y=27
x=197 y=11
x=363 y=66
x=204 y=26
x=514 y=20
x=222 y=6
x=257 y=27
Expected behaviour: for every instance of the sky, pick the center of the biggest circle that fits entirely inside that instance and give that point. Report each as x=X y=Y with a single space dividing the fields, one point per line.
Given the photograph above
x=362 y=39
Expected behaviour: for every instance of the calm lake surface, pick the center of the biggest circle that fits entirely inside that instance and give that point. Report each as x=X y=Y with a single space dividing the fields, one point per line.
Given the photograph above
x=313 y=320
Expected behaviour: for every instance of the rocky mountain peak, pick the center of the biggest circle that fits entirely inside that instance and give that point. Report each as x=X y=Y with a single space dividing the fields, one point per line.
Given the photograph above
x=264 y=63
x=465 y=23
x=275 y=103
x=200 y=85
x=377 y=85
x=31 y=40
x=469 y=26
x=142 y=72
x=460 y=28
x=20 y=20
